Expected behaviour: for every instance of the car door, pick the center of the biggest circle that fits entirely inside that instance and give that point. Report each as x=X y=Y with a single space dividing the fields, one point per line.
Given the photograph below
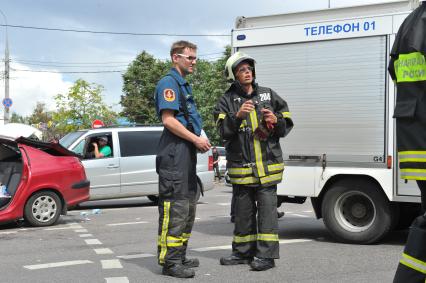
x=138 y=151
x=103 y=173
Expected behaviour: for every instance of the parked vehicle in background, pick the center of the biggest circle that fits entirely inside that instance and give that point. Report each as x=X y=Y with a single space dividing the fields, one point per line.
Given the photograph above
x=222 y=159
x=42 y=180
x=130 y=170
x=331 y=68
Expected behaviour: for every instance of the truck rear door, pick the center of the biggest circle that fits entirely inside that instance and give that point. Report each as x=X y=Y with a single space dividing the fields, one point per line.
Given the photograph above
x=336 y=93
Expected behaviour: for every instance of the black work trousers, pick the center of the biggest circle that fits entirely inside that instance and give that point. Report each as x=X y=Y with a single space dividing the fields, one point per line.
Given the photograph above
x=256 y=223
x=422 y=187
x=412 y=266
x=176 y=167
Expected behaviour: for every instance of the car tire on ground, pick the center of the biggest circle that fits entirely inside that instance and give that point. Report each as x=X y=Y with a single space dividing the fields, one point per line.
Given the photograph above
x=43 y=209
x=357 y=211
x=153 y=198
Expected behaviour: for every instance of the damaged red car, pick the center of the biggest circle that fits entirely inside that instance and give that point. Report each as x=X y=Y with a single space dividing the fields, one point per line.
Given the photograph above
x=39 y=181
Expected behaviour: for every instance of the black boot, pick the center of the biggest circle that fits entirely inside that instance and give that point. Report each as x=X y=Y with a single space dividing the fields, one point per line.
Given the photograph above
x=233 y=260
x=280 y=214
x=261 y=264
x=178 y=270
x=191 y=262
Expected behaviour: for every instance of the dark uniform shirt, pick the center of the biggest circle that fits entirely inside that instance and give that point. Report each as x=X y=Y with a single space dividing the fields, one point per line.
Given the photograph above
x=167 y=97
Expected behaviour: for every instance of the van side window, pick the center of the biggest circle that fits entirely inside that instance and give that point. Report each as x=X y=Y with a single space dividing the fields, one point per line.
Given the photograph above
x=139 y=143
x=86 y=149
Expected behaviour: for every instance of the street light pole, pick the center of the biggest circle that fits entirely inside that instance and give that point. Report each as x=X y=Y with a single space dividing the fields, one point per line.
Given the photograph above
x=6 y=71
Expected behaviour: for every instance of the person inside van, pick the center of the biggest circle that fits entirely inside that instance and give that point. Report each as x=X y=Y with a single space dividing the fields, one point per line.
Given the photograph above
x=103 y=149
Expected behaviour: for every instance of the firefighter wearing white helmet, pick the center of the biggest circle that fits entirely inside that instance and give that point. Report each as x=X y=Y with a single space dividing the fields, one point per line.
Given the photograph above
x=251 y=119
x=233 y=62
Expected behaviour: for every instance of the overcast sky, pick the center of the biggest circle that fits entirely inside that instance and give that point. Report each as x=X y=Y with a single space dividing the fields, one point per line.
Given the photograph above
x=57 y=51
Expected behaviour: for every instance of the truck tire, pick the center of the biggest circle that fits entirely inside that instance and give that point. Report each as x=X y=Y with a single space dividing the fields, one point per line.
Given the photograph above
x=43 y=209
x=357 y=212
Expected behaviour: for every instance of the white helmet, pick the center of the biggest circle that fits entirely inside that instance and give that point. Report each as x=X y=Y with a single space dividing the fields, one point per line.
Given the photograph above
x=233 y=62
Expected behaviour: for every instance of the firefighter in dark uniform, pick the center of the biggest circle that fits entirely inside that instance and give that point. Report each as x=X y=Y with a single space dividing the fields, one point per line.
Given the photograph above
x=408 y=70
x=251 y=120
x=176 y=162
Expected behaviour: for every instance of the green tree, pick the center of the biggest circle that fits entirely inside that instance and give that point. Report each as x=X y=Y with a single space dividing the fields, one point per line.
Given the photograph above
x=140 y=80
x=16 y=118
x=209 y=84
x=40 y=114
x=80 y=106
x=143 y=75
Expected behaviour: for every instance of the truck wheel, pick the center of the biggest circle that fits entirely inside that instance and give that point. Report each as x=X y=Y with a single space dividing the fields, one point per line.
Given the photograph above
x=43 y=209
x=153 y=198
x=357 y=212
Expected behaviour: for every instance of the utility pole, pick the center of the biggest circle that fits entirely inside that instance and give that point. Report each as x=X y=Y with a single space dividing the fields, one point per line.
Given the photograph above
x=6 y=71
x=6 y=78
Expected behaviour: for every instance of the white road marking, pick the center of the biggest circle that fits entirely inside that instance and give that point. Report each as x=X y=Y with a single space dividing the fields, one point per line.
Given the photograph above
x=292 y=241
x=111 y=264
x=81 y=231
x=85 y=235
x=223 y=203
x=9 y=232
x=197 y=218
x=56 y=264
x=93 y=242
x=135 y=256
x=300 y=215
x=103 y=251
x=127 y=223
x=63 y=228
x=227 y=247
x=117 y=280
x=308 y=211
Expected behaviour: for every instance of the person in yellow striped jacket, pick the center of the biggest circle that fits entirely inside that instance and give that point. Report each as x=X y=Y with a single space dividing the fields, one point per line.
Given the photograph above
x=407 y=68
x=251 y=120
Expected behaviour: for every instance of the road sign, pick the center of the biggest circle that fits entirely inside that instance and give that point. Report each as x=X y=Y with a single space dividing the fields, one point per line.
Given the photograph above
x=97 y=124
x=7 y=102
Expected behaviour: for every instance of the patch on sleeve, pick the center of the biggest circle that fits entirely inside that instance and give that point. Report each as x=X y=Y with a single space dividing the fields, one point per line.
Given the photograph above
x=169 y=95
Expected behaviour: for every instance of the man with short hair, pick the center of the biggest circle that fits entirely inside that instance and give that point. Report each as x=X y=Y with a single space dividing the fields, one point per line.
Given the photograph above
x=251 y=120
x=176 y=161
x=103 y=150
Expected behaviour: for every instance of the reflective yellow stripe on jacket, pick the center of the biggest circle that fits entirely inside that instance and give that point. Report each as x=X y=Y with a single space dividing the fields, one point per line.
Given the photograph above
x=257 y=146
x=221 y=116
x=253 y=180
x=286 y=114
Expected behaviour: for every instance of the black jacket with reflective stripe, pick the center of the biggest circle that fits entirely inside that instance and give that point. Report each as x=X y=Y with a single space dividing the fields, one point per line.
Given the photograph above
x=243 y=151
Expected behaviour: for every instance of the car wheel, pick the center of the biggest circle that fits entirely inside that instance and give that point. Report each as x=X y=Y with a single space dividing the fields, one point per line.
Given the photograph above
x=43 y=209
x=357 y=212
x=153 y=198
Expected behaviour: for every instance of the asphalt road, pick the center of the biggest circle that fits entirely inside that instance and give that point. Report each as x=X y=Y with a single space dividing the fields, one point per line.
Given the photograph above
x=119 y=245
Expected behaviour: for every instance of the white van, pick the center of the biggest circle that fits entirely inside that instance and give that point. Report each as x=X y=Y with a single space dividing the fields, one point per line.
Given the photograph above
x=130 y=170
x=331 y=67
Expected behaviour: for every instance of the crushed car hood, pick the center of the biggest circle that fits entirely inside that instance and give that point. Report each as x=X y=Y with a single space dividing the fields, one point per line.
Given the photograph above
x=52 y=148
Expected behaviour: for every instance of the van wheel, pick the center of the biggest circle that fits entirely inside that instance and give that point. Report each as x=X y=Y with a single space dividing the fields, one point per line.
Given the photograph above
x=43 y=209
x=357 y=212
x=153 y=198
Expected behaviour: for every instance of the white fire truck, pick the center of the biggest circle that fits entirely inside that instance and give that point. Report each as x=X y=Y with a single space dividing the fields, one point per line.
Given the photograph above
x=331 y=68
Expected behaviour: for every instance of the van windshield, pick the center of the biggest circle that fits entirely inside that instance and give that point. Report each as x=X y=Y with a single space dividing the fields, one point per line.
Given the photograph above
x=70 y=138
